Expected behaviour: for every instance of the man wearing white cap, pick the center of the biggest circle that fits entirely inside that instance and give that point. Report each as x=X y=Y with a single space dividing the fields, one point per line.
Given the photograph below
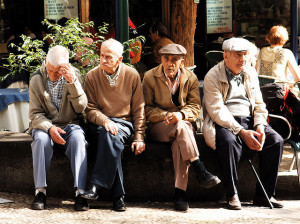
x=235 y=117
x=172 y=102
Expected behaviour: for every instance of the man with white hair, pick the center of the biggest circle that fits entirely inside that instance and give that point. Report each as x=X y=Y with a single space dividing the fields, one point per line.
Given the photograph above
x=57 y=101
x=115 y=110
x=235 y=117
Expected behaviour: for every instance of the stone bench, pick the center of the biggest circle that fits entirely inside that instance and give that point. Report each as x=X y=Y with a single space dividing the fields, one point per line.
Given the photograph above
x=149 y=176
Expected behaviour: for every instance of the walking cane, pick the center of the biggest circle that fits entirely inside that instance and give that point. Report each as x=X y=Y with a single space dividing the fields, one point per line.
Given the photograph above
x=256 y=175
x=258 y=180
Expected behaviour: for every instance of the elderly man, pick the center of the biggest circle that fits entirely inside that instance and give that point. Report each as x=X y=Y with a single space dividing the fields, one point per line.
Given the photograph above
x=236 y=118
x=57 y=101
x=115 y=110
x=172 y=102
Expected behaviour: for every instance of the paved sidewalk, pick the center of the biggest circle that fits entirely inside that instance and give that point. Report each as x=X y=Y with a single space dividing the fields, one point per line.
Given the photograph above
x=61 y=211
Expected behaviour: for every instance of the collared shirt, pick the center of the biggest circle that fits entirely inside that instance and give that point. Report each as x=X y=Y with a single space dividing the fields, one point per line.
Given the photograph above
x=56 y=90
x=112 y=79
x=173 y=86
x=237 y=100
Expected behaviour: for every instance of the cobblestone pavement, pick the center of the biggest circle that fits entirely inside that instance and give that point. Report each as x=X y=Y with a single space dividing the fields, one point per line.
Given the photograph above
x=61 y=211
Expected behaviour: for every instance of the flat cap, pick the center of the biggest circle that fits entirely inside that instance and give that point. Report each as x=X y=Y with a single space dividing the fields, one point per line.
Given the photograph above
x=172 y=49
x=236 y=44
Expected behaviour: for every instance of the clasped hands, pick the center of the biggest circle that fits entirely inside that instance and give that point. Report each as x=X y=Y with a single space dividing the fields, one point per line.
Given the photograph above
x=137 y=147
x=254 y=139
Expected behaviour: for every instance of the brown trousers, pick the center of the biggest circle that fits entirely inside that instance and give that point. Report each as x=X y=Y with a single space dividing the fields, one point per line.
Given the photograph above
x=183 y=148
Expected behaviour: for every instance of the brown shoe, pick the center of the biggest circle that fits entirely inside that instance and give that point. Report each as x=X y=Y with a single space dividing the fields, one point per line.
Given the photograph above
x=263 y=202
x=234 y=203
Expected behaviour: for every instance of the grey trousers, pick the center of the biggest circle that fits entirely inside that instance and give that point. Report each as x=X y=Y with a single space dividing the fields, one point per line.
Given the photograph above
x=75 y=150
x=184 y=147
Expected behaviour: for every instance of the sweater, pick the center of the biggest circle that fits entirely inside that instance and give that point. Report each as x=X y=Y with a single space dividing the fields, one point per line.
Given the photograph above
x=124 y=100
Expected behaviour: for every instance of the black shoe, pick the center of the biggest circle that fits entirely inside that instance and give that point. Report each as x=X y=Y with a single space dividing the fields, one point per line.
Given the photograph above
x=208 y=180
x=80 y=204
x=92 y=193
x=261 y=201
x=39 y=202
x=205 y=178
x=181 y=203
x=119 y=204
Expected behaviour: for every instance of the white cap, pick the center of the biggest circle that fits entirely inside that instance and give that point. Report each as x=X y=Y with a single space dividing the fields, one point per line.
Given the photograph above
x=236 y=44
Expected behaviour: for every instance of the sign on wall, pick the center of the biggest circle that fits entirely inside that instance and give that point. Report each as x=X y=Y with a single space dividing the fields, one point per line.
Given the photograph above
x=219 y=16
x=56 y=9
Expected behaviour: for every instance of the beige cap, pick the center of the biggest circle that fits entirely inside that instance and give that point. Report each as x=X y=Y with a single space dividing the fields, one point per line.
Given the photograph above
x=172 y=49
x=236 y=44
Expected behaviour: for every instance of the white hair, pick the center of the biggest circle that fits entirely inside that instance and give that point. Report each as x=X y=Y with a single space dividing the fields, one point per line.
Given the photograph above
x=114 y=45
x=58 y=55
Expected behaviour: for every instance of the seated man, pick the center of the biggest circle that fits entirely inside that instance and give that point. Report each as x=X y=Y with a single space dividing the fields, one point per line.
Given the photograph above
x=115 y=110
x=235 y=117
x=158 y=34
x=172 y=102
x=57 y=101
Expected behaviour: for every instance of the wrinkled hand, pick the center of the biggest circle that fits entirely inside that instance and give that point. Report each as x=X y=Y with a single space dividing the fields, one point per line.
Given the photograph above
x=172 y=118
x=261 y=130
x=110 y=126
x=68 y=72
x=248 y=136
x=139 y=147
x=54 y=133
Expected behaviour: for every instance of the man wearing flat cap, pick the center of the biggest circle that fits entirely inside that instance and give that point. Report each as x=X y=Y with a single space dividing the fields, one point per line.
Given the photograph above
x=172 y=102
x=235 y=117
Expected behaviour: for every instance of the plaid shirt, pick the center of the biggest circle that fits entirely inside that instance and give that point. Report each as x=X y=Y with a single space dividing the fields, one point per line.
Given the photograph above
x=56 y=90
x=173 y=86
x=112 y=79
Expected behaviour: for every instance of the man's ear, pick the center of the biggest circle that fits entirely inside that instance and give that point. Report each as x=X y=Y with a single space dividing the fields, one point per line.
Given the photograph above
x=45 y=60
x=120 y=59
x=182 y=63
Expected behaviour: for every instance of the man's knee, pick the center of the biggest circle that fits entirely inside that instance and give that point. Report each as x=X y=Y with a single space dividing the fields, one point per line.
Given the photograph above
x=41 y=138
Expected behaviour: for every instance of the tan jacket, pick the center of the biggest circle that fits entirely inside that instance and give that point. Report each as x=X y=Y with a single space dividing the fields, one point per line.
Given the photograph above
x=158 y=98
x=42 y=112
x=215 y=92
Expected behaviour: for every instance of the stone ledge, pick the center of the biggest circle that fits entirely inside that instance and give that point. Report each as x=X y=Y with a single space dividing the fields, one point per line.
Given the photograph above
x=149 y=176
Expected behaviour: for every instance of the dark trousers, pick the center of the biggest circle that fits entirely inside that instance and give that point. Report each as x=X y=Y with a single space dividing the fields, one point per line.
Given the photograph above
x=229 y=151
x=107 y=171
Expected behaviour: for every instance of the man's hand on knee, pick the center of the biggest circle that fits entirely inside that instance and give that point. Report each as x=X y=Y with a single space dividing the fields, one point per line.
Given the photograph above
x=110 y=126
x=173 y=117
x=250 y=138
x=54 y=133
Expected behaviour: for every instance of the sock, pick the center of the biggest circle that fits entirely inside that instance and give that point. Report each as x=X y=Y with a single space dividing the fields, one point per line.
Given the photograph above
x=79 y=191
x=41 y=189
x=199 y=168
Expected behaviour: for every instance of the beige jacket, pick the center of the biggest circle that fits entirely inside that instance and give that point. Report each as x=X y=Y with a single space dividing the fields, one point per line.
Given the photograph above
x=215 y=92
x=42 y=112
x=158 y=98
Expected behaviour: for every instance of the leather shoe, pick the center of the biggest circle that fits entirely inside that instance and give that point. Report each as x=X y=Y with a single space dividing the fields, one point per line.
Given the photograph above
x=39 y=202
x=181 y=203
x=119 y=204
x=261 y=201
x=80 y=203
x=92 y=193
x=234 y=203
x=208 y=180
